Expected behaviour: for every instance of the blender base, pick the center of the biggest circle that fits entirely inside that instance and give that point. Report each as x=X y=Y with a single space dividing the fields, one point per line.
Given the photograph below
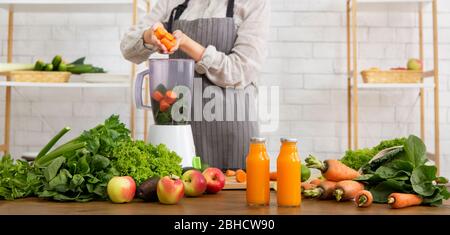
x=177 y=138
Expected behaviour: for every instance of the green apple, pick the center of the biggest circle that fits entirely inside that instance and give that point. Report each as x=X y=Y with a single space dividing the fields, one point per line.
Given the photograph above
x=414 y=64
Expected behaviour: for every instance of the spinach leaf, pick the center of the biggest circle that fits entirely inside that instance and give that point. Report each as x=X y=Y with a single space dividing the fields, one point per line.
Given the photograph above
x=422 y=180
x=381 y=191
x=52 y=169
x=415 y=151
x=389 y=173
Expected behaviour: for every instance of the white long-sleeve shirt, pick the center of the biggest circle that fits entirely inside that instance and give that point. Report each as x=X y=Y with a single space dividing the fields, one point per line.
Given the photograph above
x=237 y=69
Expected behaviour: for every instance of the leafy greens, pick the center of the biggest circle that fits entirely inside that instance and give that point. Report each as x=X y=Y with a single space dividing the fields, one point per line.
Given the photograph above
x=405 y=170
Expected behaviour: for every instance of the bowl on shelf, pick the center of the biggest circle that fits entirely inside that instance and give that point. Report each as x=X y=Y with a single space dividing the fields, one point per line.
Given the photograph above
x=39 y=76
x=391 y=76
x=104 y=78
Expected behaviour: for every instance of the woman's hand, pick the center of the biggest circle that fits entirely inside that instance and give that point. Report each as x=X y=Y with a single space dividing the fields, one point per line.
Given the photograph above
x=150 y=38
x=180 y=37
x=192 y=48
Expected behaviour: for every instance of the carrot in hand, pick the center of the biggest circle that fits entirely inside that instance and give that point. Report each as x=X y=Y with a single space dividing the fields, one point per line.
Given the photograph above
x=332 y=169
x=347 y=189
x=363 y=198
x=273 y=176
x=166 y=38
x=230 y=173
x=324 y=191
x=402 y=200
x=241 y=176
x=316 y=181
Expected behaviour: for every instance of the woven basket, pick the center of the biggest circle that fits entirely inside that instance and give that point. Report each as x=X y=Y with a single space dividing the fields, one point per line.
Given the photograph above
x=392 y=76
x=39 y=76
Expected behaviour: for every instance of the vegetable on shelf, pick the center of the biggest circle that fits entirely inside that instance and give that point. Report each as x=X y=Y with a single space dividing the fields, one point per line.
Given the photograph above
x=363 y=198
x=58 y=64
x=402 y=200
x=332 y=169
x=8 y=67
x=347 y=190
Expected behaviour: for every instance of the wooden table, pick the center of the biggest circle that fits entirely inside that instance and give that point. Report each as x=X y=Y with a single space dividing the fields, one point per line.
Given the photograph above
x=224 y=203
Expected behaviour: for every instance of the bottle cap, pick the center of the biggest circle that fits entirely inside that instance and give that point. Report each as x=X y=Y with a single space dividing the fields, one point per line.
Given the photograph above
x=257 y=140
x=289 y=140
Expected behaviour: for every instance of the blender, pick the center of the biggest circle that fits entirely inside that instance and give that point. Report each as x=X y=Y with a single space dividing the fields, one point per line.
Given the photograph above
x=170 y=86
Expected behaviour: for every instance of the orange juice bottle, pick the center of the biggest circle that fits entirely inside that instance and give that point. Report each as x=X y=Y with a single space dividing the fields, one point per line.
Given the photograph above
x=288 y=174
x=258 y=172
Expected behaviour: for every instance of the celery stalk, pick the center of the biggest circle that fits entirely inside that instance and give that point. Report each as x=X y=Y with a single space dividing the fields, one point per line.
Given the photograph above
x=52 y=142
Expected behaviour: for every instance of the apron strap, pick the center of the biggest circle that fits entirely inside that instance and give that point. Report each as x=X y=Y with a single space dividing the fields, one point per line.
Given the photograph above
x=176 y=13
x=230 y=9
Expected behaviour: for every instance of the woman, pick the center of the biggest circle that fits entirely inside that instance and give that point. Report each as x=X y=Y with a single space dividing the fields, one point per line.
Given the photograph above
x=227 y=40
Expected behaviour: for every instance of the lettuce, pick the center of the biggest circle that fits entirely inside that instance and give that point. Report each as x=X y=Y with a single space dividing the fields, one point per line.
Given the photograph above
x=143 y=161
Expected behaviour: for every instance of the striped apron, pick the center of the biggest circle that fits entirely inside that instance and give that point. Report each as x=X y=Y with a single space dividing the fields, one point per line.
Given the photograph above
x=222 y=144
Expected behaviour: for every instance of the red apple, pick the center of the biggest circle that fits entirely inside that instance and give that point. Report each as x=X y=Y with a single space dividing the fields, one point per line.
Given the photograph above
x=170 y=190
x=121 y=189
x=215 y=180
x=194 y=183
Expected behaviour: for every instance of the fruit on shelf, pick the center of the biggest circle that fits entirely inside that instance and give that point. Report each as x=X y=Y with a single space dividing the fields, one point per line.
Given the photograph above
x=121 y=189
x=414 y=64
x=170 y=190
x=215 y=179
x=194 y=183
x=147 y=190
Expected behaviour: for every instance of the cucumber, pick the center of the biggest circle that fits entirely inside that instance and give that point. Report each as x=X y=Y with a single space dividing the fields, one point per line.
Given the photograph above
x=56 y=61
x=48 y=67
x=39 y=65
x=62 y=67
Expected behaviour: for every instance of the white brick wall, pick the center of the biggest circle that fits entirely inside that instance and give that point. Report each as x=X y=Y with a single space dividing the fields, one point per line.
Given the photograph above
x=307 y=59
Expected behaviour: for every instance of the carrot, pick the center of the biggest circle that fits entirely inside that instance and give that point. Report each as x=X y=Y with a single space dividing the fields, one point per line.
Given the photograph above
x=157 y=96
x=170 y=97
x=324 y=191
x=230 y=173
x=332 y=169
x=316 y=181
x=167 y=43
x=241 y=176
x=307 y=186
x=273 y=176
x=347 y=189
x=363 y=198
x=163 y=106
x=402 y=200
x=160 y=33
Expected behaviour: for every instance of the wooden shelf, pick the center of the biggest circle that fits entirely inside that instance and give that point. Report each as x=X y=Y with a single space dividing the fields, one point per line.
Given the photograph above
x=426 y=74
x=394 y=85
x=64 y=85
x=72 y=5
x=392 y=5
